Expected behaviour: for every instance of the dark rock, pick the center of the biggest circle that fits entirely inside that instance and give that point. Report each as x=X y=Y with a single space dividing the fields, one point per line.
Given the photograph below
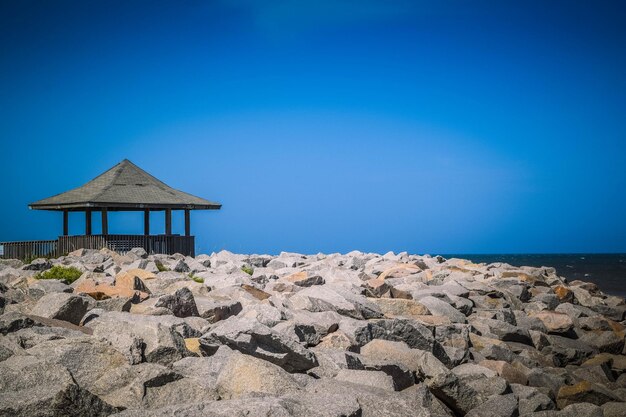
x=256 y=339
x=181 y=303
x=12 y=322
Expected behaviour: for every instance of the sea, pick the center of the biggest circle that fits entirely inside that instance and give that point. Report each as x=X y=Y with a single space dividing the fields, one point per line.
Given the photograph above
x=607 y=270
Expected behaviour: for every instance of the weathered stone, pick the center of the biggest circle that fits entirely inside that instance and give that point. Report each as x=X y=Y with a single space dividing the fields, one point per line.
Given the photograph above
x=87 y=358
x=245 y=375
x=554 y=322
x=37 y=389
x=584 y=391
x=12 y=322
x=303 y=279
x=61 y=306
x=377 y=379
x=415 y=335
x=39 y=264
x=103 y=291
x=438 y=307
x=253 y=338
x=216 y=310
x=181 y=303
x=398 y=307
x=531 y=399
x=614 y=409
x=141 y=338
x=496 y=406
x=506 y=371
x=132 y=280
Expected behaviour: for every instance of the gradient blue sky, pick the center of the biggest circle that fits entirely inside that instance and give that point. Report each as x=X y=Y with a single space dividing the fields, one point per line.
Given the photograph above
x=431 y=127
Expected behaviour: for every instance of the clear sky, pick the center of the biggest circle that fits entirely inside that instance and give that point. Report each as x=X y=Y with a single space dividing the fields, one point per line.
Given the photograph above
x=431 y=127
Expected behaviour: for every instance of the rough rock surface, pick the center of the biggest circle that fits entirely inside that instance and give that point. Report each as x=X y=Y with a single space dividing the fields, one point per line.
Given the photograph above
x=359 y=334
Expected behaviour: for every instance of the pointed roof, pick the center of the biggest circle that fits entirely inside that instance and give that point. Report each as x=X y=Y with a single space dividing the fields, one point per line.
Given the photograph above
x=124 y=187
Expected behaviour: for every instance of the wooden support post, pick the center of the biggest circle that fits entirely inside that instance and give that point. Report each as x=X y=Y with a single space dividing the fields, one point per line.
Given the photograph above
x=187 y=223
x=168 y=221
x=65 y=223
x=105 y=222
x=88 y=222
x=146 y=222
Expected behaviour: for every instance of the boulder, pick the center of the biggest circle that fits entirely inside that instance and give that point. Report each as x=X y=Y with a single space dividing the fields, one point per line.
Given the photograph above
x=303 y=279
x=132 y=281
x=181 y=303
x=377 y=379
x=555 y=322
x=12 y=322
x=61 y=306
x=37 y=389
x=141 y=338
x=246 y=375
x=216 y=310
x=438 y=307
x=497 y=406
x=399 y=307
x=253 y=338
x=586 y=392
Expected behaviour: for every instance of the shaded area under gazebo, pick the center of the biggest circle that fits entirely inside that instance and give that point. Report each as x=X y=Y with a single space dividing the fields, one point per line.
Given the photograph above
x=125 y=187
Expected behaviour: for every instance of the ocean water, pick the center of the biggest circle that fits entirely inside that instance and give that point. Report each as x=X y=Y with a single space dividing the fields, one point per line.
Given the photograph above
x=607 y=270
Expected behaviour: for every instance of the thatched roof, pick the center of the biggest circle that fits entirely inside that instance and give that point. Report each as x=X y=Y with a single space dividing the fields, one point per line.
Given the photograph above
x=124 y=187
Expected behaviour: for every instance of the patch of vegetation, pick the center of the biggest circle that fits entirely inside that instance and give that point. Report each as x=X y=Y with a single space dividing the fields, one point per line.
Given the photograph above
x=247 y=269
x=67 y=274
x=199 y=280
x=161 y=267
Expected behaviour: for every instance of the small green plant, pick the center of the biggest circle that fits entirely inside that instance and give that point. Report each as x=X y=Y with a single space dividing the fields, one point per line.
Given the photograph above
x=161 y=267
x=67 y=274
x=247 y=269
x=199 y=280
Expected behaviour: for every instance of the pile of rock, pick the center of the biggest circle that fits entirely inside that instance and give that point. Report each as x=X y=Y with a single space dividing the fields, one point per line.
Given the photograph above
x=293 y=335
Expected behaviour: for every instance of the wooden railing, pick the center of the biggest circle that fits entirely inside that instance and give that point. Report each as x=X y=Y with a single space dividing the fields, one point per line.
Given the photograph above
x=166 y=244
x=28 y=250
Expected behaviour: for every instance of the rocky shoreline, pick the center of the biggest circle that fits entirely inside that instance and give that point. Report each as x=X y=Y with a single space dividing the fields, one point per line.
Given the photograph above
x=293 y=335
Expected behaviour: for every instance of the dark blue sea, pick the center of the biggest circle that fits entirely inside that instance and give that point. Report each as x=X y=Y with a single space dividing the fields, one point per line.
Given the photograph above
x=607 y=270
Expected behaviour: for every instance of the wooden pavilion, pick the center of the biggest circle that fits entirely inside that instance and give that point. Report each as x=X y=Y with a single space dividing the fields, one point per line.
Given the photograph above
x=125 y=187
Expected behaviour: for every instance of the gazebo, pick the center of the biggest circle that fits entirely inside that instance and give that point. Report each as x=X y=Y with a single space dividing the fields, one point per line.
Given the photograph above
x=125 y=187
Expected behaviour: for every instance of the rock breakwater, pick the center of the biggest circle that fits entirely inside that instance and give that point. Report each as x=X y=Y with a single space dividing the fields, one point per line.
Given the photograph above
x=306 y=335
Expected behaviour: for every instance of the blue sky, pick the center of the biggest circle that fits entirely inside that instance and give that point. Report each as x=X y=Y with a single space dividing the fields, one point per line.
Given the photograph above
x=453 y=127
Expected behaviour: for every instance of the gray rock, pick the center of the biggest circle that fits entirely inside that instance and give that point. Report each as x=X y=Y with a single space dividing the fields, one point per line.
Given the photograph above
x=141 y=338
x=581 y=410
x=62 y=306
x=181 y=303
x=496 y=406
x=531 y=399
x=253 y=338
x=217 y=310
x=614 y=409
x=12 y=322
x=244 y=375
x=377 y=379
x=86 y=358
x=414 y=334
x=438 y=307
x=460 y=397
x=36 y=389
x=47 y=286
x=373 y=401
x=39 y=264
